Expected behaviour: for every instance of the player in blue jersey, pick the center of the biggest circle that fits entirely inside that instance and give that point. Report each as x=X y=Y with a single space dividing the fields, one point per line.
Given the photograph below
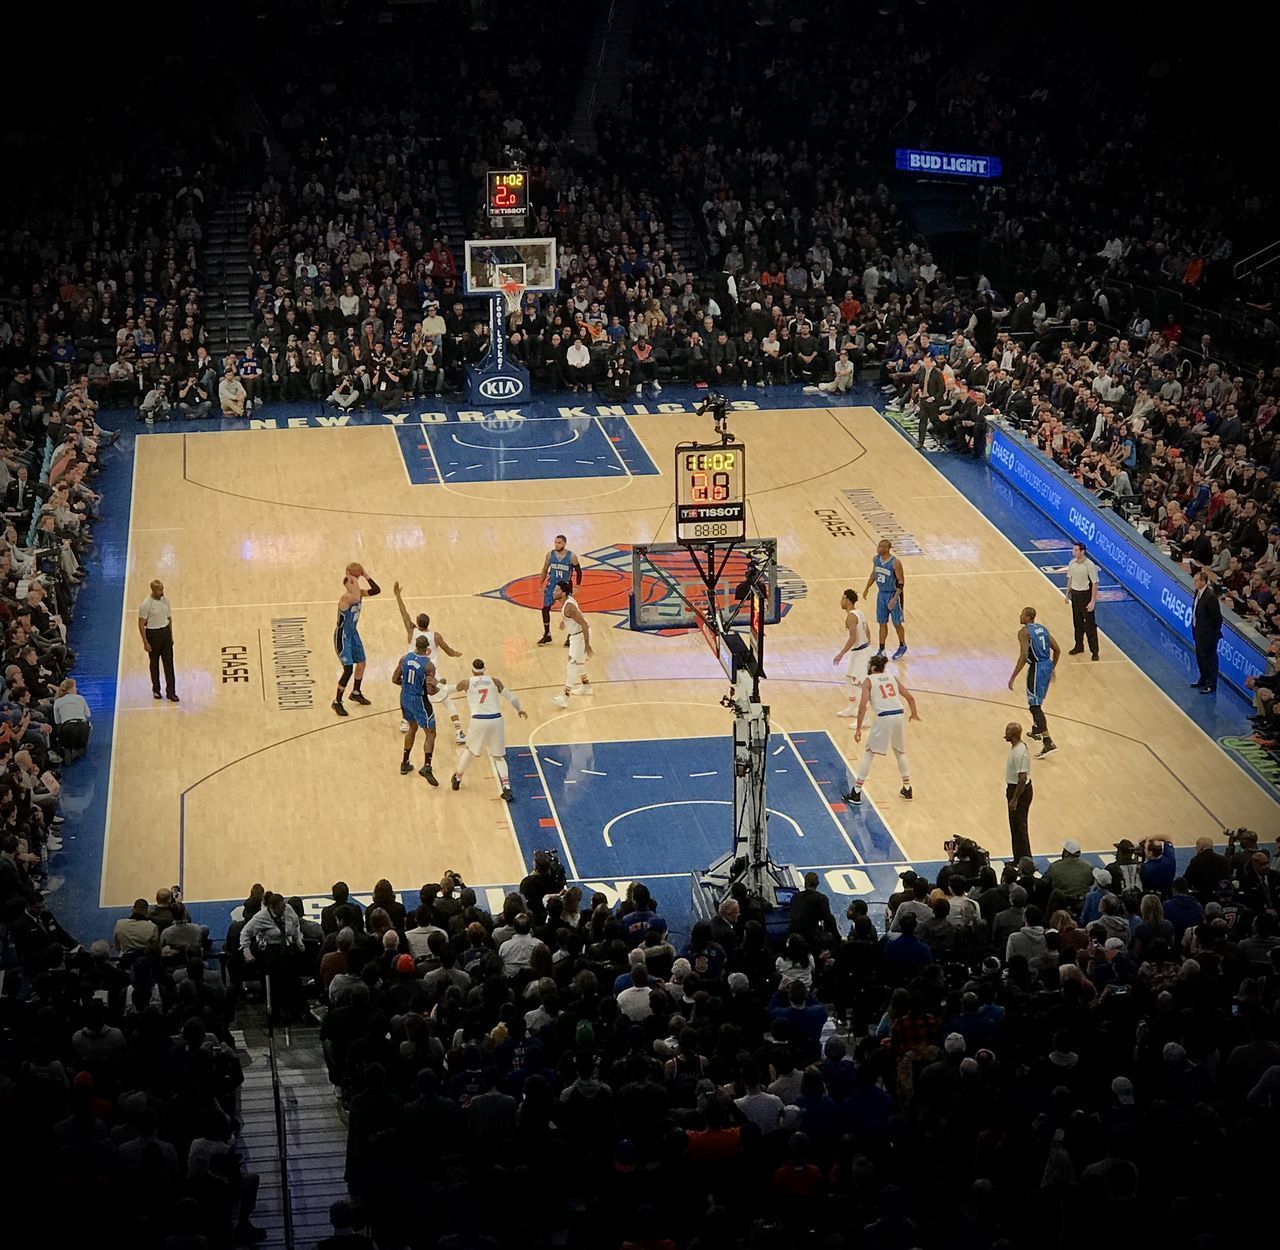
x=561 y=565
x=346 y=635
x=890 y=583
x=416 y=677
x=1038 y=654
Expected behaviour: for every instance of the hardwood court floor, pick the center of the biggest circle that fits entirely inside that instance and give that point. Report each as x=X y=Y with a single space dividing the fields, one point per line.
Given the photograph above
x=250 y=532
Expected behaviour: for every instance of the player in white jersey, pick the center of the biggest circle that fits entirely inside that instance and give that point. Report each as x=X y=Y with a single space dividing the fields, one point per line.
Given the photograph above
x=486 y=733
x=575 y=625
x=421 y=628
x=857 y=647
x=884 y=693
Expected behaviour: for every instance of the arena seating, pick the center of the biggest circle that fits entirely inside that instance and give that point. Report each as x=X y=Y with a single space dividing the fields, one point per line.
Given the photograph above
x=996 y=1058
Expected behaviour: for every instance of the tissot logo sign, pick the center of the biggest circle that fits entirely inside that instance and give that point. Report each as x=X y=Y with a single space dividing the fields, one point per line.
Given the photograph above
x=949 y=164
x=501 y=387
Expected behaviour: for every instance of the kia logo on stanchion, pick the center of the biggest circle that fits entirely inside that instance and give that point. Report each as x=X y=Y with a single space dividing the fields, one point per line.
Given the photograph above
x=501 y=387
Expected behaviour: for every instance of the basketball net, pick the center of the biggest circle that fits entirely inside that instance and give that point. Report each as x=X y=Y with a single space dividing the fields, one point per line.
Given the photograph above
x=512 y=291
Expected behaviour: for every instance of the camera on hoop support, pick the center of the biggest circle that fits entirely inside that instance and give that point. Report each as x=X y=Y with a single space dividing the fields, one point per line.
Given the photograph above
x=718 y=406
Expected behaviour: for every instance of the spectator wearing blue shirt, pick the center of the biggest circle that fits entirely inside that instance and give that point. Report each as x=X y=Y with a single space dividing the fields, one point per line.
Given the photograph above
x=1182 y=909
x=905 y=954
x=642 y=920
x=805 y=1016
x=1158 y=867
x=705 y=955
x=1091 y=908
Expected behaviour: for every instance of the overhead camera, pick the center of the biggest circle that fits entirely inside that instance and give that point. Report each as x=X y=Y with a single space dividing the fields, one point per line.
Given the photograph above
x=718 y=406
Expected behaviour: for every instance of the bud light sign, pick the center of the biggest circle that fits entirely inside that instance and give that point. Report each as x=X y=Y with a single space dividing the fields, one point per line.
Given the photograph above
x=1155 y=581
x=948 y=164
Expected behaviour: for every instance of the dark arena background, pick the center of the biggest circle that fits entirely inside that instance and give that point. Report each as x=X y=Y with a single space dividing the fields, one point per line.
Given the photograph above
x=639 y=626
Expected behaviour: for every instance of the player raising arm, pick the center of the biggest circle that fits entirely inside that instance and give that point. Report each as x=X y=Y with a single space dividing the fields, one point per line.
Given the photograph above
x=346 y=636
x=421 y=628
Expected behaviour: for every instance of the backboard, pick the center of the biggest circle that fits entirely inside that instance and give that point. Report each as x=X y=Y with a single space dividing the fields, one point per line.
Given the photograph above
x=487 y=263
x=669 y=590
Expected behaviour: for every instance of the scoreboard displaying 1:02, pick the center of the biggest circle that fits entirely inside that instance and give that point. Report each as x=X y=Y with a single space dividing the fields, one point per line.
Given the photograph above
x=711 y=493
x=507 y=192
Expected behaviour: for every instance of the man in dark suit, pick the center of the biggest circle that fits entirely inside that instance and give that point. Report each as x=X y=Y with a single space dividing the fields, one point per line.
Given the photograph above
x=1206 y=629
x=971 y=428
x=956 y=412
x=811 y=914
x=1260 y=886
x=933 y=389
x=21 y=498
x=1198 y=546
x=998 y=391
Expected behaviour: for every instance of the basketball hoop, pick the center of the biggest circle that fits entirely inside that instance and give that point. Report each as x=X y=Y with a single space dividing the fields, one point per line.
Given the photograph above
x=511 y=292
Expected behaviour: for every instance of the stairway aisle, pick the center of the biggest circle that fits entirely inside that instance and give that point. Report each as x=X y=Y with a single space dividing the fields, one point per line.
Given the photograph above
x=259 y=1142
x=604 y=69
x=315 y=1134
x=226 y=259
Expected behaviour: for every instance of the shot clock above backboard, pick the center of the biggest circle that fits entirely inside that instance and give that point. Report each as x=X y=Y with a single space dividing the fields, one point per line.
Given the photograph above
x=506 y=193
x=711 y=492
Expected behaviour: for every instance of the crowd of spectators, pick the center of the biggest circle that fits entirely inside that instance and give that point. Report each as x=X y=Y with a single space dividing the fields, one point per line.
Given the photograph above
x=1053 y=1034
x=1060 y=1039
x=119 y=1076
x=50 y=454
x=1107 y=194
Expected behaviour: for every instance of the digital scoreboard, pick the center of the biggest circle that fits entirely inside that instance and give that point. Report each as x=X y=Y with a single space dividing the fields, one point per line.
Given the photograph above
x=711 y=493
x=507 y=193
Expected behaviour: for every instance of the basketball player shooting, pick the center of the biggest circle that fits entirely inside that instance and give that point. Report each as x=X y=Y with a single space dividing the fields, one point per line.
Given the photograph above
x=884 y=694
x=421 y=628
x=346 y=636
x=857 y=647
x=416 y=677
x=488 y=735
x=579 y=643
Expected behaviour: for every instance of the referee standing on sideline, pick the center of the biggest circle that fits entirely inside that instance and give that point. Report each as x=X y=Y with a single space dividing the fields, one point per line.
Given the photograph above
x=1082 y=594
x=1017 y=789
x=155 y=624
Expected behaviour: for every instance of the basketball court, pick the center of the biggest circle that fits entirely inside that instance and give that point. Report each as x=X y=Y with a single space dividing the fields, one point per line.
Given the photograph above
x=253 y=778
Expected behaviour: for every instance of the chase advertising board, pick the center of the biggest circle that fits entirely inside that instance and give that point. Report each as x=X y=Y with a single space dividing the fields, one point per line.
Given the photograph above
x=1121 y=550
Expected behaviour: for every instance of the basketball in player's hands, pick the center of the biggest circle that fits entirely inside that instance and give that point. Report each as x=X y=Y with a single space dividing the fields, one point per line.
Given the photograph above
x=355 y=569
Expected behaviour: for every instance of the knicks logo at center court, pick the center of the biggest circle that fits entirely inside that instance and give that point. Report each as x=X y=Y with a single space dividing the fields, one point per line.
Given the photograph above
x=607 y=585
